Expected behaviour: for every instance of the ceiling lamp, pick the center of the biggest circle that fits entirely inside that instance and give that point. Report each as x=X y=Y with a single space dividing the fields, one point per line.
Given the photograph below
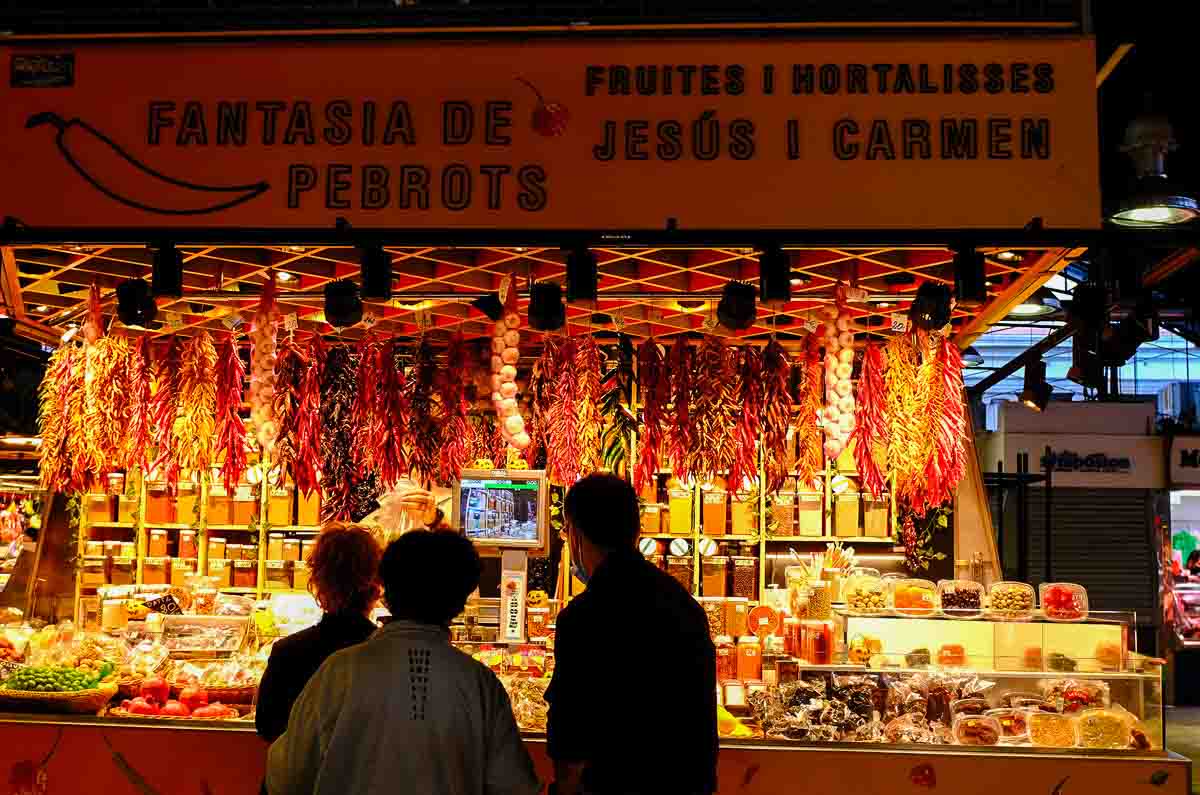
x=1008 y=256
x=1040 y=303
x=489 y=304
x=971 y=357
x=774 y=275
x=546 y=309
x=166 y=272
x=376 y=272
x=1154 y=201
x=582 y=275
x=970 y=280
x=1036 y=394
x=343 y=305
x=736 y=310
x=931 y=308
x=135 y=305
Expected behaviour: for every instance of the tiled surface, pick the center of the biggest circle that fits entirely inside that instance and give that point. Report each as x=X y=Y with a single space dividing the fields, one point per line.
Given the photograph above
x=1183 y=737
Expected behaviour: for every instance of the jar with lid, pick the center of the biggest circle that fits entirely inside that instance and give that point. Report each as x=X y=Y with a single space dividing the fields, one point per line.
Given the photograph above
x=749 y=658
x=680 y=567
x=187 y=544
x=798 y=591
x=726 y=658
x=714 y=611
x=712 y=511
x=744 y=577
x=820 y=600
x=714 y=575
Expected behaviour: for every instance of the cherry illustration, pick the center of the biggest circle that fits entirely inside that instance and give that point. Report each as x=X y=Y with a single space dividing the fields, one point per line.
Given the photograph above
x=549 y=118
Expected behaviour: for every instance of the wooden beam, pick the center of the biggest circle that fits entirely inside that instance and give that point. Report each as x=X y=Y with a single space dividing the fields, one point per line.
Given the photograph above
x=1170 y=265
x=10 y=284
x=1113 y=61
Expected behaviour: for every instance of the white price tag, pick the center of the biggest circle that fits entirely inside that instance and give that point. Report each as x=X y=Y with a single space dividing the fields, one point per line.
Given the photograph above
x=232 y=321
x=290 y=322
x=504 y=284
x=810 y=325
x=899 y=323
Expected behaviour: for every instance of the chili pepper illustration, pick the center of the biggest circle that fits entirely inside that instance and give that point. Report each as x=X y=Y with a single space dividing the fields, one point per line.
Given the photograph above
x=549 y=118
x=98 y=158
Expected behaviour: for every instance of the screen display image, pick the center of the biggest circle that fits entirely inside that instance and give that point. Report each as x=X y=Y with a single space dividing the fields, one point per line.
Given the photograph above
x=499 y=510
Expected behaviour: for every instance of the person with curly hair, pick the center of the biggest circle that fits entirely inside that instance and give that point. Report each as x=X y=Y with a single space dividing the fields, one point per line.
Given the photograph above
x=344 y=578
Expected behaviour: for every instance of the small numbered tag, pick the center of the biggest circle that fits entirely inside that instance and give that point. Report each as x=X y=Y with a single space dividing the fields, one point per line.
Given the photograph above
x=504 y=283
x=424 y=319
x=369 y=319
x=618 y=321
x=172 y=320
x=810 y=325
x=290 y=322
x=899 y=323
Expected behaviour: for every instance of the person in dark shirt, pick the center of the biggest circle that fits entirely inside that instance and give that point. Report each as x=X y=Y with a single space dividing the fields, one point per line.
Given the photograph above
x=635 y=668
x=344 y=578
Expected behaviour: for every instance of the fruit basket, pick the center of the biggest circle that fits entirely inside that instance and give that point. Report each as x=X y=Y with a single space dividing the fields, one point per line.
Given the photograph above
x=232 y=696
x=76 y=702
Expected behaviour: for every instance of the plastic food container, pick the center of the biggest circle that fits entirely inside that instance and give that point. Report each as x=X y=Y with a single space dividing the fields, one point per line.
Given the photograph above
x=1063 y=601
x=960 y=598
x=1050 y=730
x=968 y=706
x=913 y=597
x=1103 y=728
x=187 y=544
x=713 y=575
x=1010 y=601
x=976 y=730
x=680 y=567
x=744 y=577
x=865 y=593
x=1014 y=725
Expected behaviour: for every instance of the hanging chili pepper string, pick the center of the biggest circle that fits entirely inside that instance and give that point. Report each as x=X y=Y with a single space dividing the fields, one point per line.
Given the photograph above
x=776 y=413
x=231 y=430
x=870 y=433
x=747 y=413
x=681 y=433
x=809 y=455
x=655 y=386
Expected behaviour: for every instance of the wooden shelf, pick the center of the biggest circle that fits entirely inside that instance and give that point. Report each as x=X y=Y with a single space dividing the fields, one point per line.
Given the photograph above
x=112 y=525
x=236 y=590
x=167 y=525
x=231 y=528
x=730 y=537
x=844 y=539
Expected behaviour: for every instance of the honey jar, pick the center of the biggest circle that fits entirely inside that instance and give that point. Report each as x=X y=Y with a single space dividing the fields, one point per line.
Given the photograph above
x=216 y=548
x=187 y=544
x=156 y=544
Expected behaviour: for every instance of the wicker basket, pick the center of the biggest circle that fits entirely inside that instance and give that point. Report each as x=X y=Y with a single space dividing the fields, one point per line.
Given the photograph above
x=232 y=696
x=79 y=702
x=117 y=712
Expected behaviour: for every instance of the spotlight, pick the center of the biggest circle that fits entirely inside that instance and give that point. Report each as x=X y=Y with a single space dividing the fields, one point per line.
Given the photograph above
x=284 y=276
x=931 y=307
x=1036 y=394
x=1008 y=256
x=343 y=305
x=1039 y=304
x=970 y=280
x=167 y=272
x=1117 y=346
x=135 y=305
x=690 y=306
x=376 y=272
x=489 y=304
x=736 y=310
x=971 y=357
x=581 y=274
x=546 y=309
x=798 y=279
x=774 y=275
x=1154 y=201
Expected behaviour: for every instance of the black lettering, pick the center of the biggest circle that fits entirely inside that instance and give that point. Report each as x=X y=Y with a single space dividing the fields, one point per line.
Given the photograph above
x=710 y=79
x=706 y=136
x=497 y=118
x=741 y=139
x=636 y=138
x=646 y=79
x=667 y=79
x=607 y=148
x=1019 y=78
x=300 y=125
x=843 y=147
x=881 y=73
x=1043 y=78
x=793 y=139
x=618 y=81
x=1035 y=139
x=879 y=141
x=458 y=123
x=830 y=78
x=915 y=135
x=375 y=194
x=768 y=81
x=414 y=181
x=670 y=137
x=735 y=80
x=968 y=78
x=270 y=110
x=231 y=123
x=856 y=78
x=687 y=72
x=803 y=78
x=337 y=119
x=158 y=120
x=532 y=180
x=993 y=78
x=999 y=132
x=456 y=187
x=368 y=123
x=495 y=176
x=337 y=182
x=400 y=127
x=948 y=79
x=301 y=179
x=960 y=139
x=593 y=78
x=192 y=129
x=926 y=85
x=904 y=81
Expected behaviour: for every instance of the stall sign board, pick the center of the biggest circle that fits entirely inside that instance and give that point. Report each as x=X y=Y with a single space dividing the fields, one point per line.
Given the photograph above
x=1183 y=466
x=555 y=133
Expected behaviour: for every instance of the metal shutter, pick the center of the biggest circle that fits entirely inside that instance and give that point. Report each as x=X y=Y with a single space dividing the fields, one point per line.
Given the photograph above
x=1103 y=541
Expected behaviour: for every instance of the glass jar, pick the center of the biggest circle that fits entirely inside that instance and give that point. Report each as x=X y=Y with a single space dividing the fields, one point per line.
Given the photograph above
x=792 y=643
x=712 y=512
x=714 y=575
x=275 y=546
x=820 y=600
x=714 y=611
x=798 y=591
x=744 y=577
x=1010 y=601
x=187 y=544
x=749 y=658
x=783 y=511
x=1063 y=601
x=679 y=505
x=726 y=658
x=865 y=593
x=680 y=567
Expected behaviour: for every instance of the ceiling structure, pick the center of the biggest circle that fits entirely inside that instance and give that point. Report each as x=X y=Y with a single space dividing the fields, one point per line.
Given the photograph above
x=643 y=291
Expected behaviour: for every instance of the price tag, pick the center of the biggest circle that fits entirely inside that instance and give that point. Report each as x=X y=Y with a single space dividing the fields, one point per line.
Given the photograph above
x=424 y=319
x=618 y=321
x=232 y=321
x=369 y=319
x=172 y=320
x=504 y=287
x=290 y=322
x=810 y=325
x=899 y=324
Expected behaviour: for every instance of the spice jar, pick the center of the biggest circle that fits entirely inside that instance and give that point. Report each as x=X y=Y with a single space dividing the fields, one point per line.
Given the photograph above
x=275 y=546
x=291 y=549
x=736 y=612
x=810 y=514
x=726 y=658
x=713 y=512
x=680 y=506
x=216 y=548
x=783 y=511
x=798 y=591
x=792 y=643
x=817 y=639
x=680 y=567
x=744 y=577
x=156 y=543
x=277 y=575
x=714 y=611
x=651 y=520
x=155 y=571
x=820 y=600
x=741 y=514
x=536 y=621
x=714 y=575
x=749 y=658
x=187 y=544
x=245 y=574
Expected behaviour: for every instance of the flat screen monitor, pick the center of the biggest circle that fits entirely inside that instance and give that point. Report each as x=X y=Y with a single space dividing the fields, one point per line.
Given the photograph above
x=501 y=508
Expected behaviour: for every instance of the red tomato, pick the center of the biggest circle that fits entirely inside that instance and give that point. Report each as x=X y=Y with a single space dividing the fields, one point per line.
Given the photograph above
x=155 y=689
x=193 y=698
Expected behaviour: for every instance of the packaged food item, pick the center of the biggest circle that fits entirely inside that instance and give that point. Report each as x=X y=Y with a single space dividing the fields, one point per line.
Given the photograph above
x=714 y=575
x=846 y=523
x=726 y=657
x=733 y=694
x=960 y=598
x=1110 y=656
x=1104 y=728
x=783 y=512
x=228 y=604
x=187 y=544
x=112 y=615
x=1057 y=661
x=233 y=551
x=651 y=519
x=1051 y=730
x=1031 y=658
x=816 y=639
x=300 y=574
x=714 y=611
x=749 y=658
x=680 y=567
x=1012 y=722
x=862 y=648
x=1063 y=601
x=976 y=730
x=245 y=574
x=809 y=513
x=742 y=513
x=94 y=571
x=278 y=575
x=275 y=546
x=913 y=597
x=221 y=571
x=820 y=601
x=121 y=571
x=156 y=571
x=865 y=594
x=744 y=577
x=680 y=506
x=952 y=655
x=1010 y=601
x=875 y=516
x=216 y=548
x=798 y=591
x=291 y=549
x=918 y=658
x=156 y=543
x=712 y=511
x=1075 y=695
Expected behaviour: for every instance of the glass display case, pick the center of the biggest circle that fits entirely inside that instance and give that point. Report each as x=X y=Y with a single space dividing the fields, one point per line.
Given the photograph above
x=1187 y=614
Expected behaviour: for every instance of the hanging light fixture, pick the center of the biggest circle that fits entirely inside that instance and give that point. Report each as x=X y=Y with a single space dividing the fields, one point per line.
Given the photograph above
x=931 y=307
x=546 y=309
x=971 y=357
x=582 y=275
x=1036 y=393
x=135 y=305
x=489 y=304
x=1040 y=303
x=166 y=275
x=970 y=280
x=736 y=310
x=774 y=275
x=1154 y=201
x=376 y=267
x=343 y=305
